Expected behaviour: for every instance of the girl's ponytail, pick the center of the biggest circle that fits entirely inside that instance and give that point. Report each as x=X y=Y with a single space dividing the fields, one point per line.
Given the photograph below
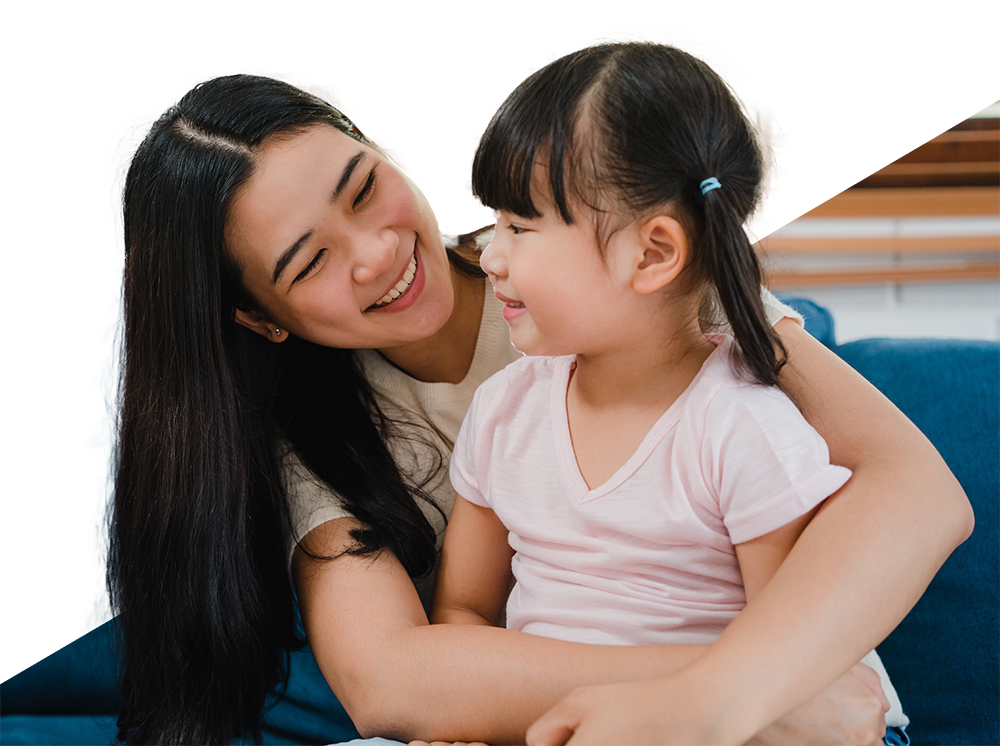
x=730 y=264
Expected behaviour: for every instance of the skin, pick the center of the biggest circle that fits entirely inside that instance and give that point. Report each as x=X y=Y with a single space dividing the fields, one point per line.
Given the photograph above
x=399 y=676
x=357 y=221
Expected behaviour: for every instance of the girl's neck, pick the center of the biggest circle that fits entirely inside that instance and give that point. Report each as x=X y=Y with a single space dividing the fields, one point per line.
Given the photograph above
x=615 y=399
x=446 y=356
x=651 y=372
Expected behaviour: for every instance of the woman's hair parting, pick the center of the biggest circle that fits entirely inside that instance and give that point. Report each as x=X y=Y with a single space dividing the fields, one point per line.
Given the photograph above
x=199 y=522
x=628 y=128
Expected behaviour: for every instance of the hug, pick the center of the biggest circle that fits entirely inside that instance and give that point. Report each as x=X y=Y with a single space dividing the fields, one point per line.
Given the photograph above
x=637 y=500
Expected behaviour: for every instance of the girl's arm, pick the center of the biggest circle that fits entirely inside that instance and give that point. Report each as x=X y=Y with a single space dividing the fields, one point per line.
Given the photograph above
x=475 y=575
x=852 y=576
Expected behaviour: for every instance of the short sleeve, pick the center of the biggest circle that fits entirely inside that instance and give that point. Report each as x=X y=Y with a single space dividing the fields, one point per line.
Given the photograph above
x=471 y=458
x=768 y=465
x=713 y=318
x=311 y=503
x=463 y=469
x=776 y=310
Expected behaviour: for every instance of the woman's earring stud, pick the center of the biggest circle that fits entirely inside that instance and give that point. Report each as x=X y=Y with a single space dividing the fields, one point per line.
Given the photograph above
x=277 y=332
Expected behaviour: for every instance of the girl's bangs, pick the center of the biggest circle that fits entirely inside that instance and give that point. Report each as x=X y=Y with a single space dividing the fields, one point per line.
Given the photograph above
x=534 y=125
x=502 y=168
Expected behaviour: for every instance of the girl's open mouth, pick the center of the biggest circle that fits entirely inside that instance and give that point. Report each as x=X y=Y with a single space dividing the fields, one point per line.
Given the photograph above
x=511 y=308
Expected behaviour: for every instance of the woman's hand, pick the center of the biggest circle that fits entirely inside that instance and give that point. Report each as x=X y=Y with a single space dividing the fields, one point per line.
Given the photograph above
x=670 y=711
x=850 y=711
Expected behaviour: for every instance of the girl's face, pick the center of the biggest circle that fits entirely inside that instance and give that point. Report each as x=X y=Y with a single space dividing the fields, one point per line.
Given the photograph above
x=338 y=246
x=562 y=296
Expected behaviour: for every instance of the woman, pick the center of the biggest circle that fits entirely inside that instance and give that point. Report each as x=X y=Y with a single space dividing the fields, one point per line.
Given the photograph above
x=296 y=329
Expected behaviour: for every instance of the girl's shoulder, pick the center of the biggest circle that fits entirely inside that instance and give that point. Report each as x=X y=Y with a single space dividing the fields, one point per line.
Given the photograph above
x=528 y=376
x=732 y=403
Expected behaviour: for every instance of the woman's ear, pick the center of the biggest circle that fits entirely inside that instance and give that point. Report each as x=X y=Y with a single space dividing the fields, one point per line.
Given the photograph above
x=257 y=322
x=664 y=247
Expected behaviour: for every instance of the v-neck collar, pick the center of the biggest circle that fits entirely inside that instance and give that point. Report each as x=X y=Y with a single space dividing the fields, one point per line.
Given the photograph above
x=566 y=455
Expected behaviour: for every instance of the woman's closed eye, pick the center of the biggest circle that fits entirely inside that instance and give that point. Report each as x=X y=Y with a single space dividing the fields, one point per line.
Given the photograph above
x=310 y=267
x=363 y=195
x=366 y=190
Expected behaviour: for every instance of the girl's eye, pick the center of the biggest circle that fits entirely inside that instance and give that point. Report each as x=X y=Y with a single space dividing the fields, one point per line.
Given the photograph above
x=367 y=188
x=310 y=267
x=516 y=230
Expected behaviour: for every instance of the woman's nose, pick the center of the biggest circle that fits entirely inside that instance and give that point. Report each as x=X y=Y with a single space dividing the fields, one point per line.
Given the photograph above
x=374 y=255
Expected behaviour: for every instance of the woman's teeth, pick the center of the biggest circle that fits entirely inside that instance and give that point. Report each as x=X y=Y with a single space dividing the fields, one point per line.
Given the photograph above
x=400 y=287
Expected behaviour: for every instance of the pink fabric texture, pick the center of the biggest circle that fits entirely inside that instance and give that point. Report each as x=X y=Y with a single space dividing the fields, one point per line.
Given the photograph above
x=647 y=557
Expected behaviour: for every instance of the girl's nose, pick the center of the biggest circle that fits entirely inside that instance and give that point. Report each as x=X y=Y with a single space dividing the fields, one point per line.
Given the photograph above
x=492 y=260
x=374 y=255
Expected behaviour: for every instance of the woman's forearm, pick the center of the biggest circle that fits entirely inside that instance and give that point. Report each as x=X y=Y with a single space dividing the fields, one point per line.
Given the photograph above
x=859 y=566
x=469 y=682
x=399 y=677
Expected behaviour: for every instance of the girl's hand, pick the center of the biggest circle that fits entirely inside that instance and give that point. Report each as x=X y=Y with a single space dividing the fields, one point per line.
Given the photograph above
x=847 y=712
x=445 y=743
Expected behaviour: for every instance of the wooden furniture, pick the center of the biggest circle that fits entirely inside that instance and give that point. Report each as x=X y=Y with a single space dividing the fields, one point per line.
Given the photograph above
x=932 y=216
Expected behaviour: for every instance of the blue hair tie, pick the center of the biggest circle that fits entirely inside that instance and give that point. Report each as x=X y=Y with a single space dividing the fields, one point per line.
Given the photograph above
x=708 y=185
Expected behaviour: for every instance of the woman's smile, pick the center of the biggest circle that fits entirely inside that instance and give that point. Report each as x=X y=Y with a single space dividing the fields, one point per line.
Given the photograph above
x=365 y=246
x=404 y=292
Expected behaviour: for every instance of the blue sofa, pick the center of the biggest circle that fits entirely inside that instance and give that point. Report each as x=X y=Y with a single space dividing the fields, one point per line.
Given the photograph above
x=943 y=657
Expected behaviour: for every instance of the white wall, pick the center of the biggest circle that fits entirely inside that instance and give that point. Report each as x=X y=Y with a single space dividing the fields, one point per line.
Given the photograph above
x=965 y=309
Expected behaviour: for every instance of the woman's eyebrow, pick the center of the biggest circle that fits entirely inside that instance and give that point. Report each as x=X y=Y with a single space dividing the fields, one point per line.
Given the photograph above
x=286 y=257
x=346 y=175
x=289 y=254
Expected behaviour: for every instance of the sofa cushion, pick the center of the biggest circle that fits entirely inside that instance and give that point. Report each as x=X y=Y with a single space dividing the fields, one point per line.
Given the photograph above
x=818 y=320
x=943 y=657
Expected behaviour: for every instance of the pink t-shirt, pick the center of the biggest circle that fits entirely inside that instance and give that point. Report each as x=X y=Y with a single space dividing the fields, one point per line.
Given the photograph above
x=648 y=556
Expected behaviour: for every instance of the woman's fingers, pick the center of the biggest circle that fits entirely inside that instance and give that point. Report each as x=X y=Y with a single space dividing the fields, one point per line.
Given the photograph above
x=870 y=678
x=556 y=726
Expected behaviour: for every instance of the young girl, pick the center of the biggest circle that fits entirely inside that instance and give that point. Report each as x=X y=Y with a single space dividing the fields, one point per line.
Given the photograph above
x=636 y=479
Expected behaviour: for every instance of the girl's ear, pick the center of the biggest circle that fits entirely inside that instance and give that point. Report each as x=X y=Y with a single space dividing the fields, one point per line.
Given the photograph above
x=664 y=247
x=257 y=322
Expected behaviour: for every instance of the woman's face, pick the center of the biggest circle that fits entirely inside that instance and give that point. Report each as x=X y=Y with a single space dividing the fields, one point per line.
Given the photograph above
x=338 y=246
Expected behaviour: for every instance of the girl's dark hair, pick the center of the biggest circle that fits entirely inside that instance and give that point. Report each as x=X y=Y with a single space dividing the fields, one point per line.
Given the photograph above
x=199 y=526
x=632 y=127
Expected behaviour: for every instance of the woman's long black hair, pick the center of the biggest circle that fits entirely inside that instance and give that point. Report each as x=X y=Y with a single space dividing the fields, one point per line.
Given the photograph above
x=199 y=524
x=631 y=127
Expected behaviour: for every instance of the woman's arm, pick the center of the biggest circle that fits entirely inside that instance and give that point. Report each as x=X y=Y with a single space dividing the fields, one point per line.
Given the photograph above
x=864 y=560
x=398 y=676
x=854 y=573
